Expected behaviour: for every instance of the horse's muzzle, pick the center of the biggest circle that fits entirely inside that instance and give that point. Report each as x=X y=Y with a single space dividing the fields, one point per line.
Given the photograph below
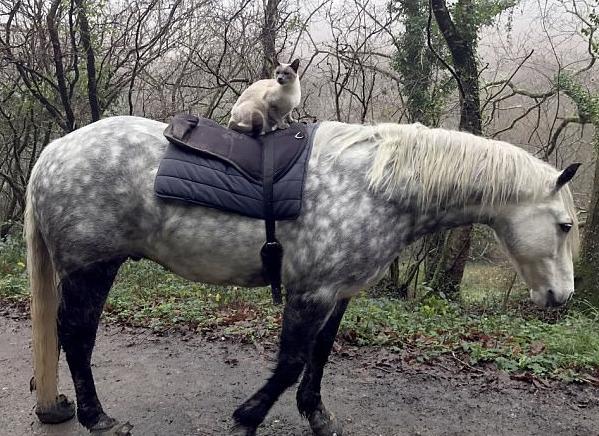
x=552 y=300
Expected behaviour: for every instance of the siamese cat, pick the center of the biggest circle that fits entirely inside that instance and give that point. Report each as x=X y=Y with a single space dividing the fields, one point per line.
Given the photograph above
x=267 y=104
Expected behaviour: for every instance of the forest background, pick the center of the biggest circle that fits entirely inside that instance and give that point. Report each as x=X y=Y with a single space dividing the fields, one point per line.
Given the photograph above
x=520 y=71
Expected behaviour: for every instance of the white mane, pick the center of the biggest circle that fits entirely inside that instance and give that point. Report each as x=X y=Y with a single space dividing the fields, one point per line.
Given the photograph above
x=447 y=166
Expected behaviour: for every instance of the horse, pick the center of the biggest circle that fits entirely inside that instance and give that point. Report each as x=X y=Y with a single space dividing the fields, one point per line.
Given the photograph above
x=370 y=190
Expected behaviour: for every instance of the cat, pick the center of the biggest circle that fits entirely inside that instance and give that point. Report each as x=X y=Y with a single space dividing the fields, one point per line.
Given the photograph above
x=266 y=105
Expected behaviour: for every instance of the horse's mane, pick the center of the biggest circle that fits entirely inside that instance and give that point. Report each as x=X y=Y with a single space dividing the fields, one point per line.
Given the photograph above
x=448 y=166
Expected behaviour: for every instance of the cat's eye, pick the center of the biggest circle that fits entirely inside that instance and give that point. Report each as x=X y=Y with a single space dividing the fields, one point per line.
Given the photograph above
x=566 y=227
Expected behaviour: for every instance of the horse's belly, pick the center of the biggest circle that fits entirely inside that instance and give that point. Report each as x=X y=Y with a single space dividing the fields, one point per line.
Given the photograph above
x=210 y=247
x=214 y=271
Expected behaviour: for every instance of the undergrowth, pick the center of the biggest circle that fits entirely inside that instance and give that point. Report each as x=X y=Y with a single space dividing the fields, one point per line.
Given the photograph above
x=480 y=330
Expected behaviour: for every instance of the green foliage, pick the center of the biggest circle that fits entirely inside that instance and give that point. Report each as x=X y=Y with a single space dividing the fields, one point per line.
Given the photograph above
x=12 y=255
x=586 y=102
x=589 y=32
x=472 y=15
x=13 y=275
x=510 y=341
x=146 y=295
x=425 y=84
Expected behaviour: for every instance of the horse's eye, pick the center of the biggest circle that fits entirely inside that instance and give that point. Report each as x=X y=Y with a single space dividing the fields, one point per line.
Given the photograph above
x=565 y=227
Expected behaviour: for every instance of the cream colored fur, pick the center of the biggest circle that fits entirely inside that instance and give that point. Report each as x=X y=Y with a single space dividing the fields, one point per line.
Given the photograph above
x=45 y=299
x=265 y=105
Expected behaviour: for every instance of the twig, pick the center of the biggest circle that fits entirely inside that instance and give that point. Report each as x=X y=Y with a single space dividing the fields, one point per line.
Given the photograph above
x=466 y=365
x=509 y=79
x=554 y=137
x=509 y=291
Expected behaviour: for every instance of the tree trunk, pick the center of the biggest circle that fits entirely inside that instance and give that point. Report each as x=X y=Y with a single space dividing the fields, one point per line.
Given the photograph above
x=462 y=46
x=61 y=80
x=92 y=91
x=8 y=219
x=268 y=37
x=587 y=273
x=463 y=54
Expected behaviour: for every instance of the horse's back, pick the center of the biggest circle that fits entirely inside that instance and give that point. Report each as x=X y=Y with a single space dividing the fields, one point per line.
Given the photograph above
x=108 y=145
x=86 y=184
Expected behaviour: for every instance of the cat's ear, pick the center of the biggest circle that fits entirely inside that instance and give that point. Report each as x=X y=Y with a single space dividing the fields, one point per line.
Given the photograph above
x=274 y=62
x=295 y=65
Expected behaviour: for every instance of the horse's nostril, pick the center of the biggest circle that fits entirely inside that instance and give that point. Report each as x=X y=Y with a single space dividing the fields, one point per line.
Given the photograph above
x=551 y=301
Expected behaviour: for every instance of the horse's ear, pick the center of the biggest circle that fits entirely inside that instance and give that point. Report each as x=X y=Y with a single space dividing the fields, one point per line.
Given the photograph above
x=566 y=175
x=295 y=65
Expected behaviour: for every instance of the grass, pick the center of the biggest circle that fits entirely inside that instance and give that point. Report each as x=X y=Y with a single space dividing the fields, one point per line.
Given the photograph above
x=479 y=330
x=147 y=295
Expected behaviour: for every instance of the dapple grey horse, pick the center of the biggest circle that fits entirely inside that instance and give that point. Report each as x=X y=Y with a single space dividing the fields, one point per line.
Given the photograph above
x=370 y=190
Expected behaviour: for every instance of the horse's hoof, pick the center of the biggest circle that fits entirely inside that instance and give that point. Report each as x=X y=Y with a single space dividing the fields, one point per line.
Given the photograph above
x=118 y=430
x=250 y=415
x=107 y=426
x=62 y=411
x=240 y=430
x=324 y=423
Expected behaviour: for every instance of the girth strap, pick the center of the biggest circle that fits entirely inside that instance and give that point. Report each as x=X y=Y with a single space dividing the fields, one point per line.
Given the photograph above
x=272 y=251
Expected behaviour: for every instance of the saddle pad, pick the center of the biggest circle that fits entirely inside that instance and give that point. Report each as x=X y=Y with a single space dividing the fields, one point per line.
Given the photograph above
x=202 y=178
x=244 y=152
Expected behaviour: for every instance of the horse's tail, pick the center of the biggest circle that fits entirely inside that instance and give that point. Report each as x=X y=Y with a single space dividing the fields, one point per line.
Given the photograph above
x=45 y=299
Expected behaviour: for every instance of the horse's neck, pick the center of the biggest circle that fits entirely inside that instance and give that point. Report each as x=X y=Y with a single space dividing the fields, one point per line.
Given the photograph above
x=453 y=174
x=417 y=220
x=435 y=220
x=421 y=222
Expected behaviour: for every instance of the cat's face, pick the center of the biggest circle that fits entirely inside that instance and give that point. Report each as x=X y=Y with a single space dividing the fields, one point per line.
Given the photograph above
x=286 y=73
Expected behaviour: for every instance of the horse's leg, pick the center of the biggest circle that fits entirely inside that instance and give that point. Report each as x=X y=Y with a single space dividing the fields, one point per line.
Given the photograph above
x=83 y=295
x=309 y=402
x=303 y=317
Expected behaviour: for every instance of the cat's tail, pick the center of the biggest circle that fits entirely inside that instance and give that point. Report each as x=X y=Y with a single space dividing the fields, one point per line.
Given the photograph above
x=258 y=123
x=254 y=126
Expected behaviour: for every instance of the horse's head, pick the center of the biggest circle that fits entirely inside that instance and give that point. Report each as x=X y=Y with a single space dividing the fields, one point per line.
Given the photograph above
x=541 y=239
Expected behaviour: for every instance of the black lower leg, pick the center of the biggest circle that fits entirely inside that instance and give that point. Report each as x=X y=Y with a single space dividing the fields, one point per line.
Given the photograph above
x=302 y=319
x=308 y=393
x=83 y=295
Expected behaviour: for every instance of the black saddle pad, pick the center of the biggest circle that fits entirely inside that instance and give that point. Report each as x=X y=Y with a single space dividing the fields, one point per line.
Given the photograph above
x=209 y=165
x=239 y=150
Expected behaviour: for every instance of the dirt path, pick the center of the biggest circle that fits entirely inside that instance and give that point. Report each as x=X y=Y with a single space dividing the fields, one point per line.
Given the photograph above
x=173 y=386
